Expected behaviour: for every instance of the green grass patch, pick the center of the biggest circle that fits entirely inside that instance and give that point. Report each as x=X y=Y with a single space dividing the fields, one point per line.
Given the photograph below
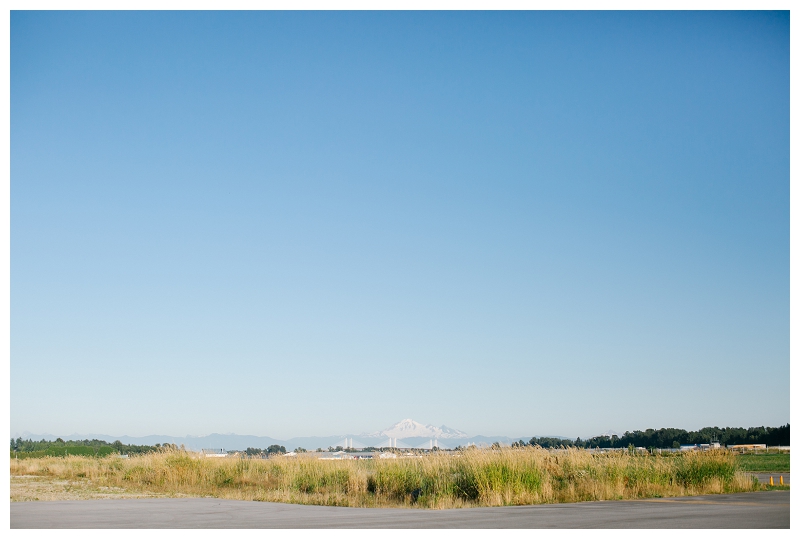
x=76 y=450
x=766 y=462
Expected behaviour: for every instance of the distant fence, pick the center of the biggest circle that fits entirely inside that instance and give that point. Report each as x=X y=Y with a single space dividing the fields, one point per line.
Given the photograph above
x=214 y=453
x=759 y=448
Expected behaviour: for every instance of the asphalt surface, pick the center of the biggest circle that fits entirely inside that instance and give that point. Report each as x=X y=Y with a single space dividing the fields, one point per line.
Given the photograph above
x=764 y=477
x=748 y=510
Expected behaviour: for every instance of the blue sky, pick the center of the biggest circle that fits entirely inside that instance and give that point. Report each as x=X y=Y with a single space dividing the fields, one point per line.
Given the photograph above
x=293 y=224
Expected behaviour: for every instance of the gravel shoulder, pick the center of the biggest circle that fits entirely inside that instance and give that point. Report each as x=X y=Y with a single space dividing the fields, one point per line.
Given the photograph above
x=31 y=488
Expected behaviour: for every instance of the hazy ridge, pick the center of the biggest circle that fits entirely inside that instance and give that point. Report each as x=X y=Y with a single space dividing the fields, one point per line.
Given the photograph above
x=406 y=433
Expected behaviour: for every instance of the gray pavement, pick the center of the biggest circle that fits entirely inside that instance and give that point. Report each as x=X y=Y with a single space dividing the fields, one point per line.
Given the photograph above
x=764 y=477
x=748 y=510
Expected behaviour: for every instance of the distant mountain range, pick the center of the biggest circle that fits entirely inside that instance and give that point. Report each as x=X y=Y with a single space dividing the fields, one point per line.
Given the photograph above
x=404 y=434
x=408 y=428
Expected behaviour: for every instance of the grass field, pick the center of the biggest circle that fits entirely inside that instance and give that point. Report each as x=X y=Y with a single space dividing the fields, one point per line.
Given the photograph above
x=770 y=462
x=470 y=478
x=82 y=450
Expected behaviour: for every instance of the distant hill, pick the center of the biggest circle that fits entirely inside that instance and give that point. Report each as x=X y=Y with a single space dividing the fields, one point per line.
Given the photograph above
x=404 y=434
x=410 y=434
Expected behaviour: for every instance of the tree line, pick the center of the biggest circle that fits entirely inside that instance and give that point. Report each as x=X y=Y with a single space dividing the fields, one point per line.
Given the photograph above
x=672 y=438
x=99 y=446
x=271 y=450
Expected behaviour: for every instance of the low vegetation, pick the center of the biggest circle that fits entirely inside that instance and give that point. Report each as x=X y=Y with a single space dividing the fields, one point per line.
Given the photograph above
x=21 y=449
x=764 y=462
x=507 y=476
x=66 y=450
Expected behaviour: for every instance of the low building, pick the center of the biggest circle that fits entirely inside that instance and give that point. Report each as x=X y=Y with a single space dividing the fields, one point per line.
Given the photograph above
x=748 y=447
x=700 y=447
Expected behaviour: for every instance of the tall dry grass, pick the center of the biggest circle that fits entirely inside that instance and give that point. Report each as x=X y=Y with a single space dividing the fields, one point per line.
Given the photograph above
x=443 y=480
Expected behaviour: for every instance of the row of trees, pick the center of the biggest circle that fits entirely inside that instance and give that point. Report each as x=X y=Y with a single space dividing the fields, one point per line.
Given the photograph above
x=547 y=442
x=670 y=438
x=29 y=446
x=271 y=450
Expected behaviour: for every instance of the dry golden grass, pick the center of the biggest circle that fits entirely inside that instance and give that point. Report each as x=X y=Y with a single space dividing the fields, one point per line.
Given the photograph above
x=437 y=481
x=30 y=488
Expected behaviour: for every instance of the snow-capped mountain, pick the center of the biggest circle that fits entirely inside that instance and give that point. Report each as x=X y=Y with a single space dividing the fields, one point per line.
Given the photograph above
x=408 y=428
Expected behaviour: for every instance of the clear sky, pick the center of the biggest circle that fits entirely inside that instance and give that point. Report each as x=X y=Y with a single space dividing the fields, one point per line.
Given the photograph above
x=291 y=224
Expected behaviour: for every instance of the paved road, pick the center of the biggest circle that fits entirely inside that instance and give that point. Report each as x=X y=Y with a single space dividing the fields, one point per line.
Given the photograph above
x=764 y=477
x=749 y=510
